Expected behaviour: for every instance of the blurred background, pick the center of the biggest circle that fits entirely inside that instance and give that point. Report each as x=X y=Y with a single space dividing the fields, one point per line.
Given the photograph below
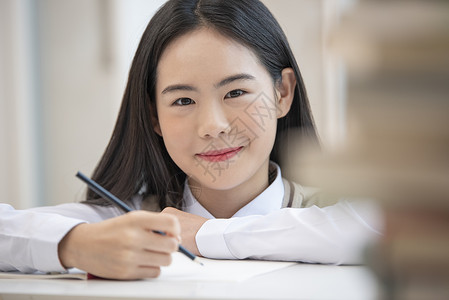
x=396 y=144
x=63 y=69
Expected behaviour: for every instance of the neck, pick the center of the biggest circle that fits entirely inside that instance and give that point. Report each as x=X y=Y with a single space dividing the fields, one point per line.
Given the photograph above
x=225 y=203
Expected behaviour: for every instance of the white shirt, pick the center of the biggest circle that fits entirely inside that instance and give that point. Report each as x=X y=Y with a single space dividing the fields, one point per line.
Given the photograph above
x=262 y=229
x=335 y=234
x=211 y=238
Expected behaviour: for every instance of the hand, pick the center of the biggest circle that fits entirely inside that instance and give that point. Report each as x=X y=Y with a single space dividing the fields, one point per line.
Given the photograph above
x=190 y=224
x=124 y=247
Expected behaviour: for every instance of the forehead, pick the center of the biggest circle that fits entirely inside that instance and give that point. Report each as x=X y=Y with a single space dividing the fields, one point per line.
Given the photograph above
x=208 y=52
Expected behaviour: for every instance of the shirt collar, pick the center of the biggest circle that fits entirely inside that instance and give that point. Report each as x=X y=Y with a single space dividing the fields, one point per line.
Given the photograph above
x=269 y=200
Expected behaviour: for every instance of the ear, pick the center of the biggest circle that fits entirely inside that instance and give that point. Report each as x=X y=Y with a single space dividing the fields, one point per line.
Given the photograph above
x=285 y=91
x=156 y=126
x=155 y=121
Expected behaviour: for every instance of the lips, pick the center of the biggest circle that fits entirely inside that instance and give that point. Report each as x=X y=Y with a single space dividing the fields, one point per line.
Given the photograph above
x=219 y=155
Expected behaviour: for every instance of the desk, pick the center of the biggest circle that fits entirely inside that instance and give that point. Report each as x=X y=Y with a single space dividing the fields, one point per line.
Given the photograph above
x=301 y=281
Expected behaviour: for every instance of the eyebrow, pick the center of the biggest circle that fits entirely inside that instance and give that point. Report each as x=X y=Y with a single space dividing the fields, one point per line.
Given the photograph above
x=178 y=87
x=225 y=81
x=232 y=78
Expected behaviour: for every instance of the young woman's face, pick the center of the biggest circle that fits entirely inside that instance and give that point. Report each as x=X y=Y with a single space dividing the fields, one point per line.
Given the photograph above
x=216 y=109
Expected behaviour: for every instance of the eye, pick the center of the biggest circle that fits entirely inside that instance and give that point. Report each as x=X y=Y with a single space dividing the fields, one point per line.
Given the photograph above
x=234 y=93
x=183 y=102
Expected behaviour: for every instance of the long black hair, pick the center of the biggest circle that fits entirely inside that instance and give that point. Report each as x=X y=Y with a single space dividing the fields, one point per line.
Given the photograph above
x=136 y=156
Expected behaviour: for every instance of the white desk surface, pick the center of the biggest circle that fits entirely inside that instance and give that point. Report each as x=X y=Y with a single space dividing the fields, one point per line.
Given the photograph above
x=301 y=281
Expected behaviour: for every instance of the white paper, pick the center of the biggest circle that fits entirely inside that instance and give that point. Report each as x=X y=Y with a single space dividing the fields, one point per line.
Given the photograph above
x=185 y=269
x=72 y=274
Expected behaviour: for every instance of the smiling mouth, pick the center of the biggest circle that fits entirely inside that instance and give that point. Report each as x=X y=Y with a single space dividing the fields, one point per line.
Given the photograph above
x=219 y=155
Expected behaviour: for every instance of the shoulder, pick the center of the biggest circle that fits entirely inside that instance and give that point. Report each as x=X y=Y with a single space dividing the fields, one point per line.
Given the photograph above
x=297 y=195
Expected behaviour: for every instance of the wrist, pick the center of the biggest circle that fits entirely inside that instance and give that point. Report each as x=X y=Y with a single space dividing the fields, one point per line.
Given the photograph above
x=67 y=247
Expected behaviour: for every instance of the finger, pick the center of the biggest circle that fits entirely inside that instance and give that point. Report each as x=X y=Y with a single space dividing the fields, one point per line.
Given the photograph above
x=141 y=259
x=136 y=273
x=166 y=223
x=156 y=221
x=148 y=272
x=142 y=264
x=160 y=243
x=154 y=259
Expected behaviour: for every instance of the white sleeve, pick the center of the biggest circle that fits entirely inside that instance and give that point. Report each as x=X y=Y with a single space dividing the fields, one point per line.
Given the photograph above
x=29 y=238
x=336 y=234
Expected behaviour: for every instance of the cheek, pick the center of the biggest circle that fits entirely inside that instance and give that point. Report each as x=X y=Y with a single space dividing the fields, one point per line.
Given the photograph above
x=266 y=138
x=261 y=116
x=175 y=133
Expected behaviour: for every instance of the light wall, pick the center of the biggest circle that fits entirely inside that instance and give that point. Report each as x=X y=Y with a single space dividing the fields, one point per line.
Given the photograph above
x=63 y=68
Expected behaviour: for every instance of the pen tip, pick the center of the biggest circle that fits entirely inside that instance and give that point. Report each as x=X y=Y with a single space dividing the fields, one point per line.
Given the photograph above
x=198 y=261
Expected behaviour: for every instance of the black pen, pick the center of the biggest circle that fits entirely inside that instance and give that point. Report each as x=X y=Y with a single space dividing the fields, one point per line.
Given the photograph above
x=108 y=196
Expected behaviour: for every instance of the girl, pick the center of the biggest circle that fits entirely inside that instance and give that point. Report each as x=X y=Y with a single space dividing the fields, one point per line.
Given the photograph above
x=213 y=90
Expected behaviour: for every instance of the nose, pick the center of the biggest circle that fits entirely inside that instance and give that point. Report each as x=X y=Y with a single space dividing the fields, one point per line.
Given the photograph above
x=213 y=121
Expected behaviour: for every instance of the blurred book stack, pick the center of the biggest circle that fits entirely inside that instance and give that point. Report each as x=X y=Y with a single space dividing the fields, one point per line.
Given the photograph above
x=396 y=149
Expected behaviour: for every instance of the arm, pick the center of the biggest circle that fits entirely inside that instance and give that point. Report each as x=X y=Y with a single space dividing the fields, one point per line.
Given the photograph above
x=334 y=234
x=29 y=238
x=78 y=235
